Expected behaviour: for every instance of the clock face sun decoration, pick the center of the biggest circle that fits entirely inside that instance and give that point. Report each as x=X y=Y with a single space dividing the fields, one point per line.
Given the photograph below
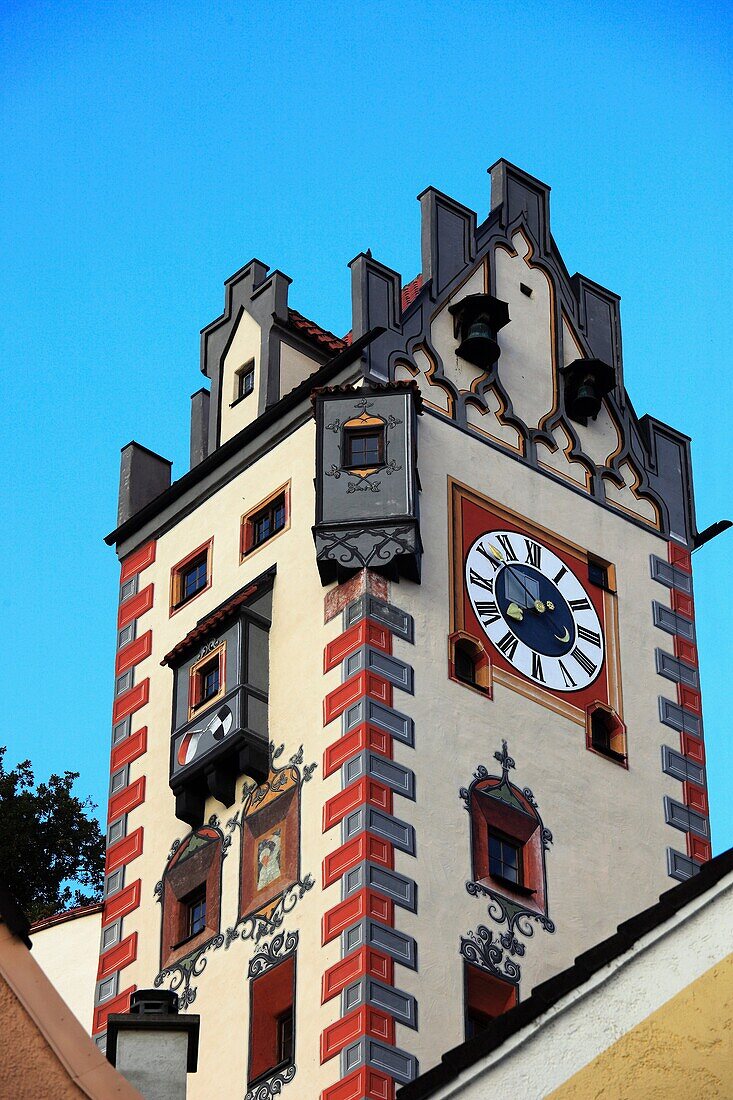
x=534 y=610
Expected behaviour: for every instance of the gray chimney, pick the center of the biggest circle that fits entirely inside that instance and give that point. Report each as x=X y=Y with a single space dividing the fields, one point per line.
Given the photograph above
x=152 y=1046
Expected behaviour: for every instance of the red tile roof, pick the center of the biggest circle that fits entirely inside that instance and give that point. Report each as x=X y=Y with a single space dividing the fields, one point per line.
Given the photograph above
x=217 y=616
x=66 y=914
x=411 y=291
x=317 y=335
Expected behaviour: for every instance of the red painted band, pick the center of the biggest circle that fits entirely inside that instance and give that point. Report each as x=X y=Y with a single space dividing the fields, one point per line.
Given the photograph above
x=118 y=957
x=135 y=607
x=130 y=701
x=129 y=749
x=126 y=799
x=119 y=1003
x=125 y=850
x=135 y=563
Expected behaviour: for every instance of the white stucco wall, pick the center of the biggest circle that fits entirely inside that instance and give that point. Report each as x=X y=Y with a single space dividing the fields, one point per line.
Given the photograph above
x=68 y=952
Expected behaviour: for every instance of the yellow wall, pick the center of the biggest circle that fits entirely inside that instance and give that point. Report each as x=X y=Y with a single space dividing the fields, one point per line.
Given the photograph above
x=685 y=1048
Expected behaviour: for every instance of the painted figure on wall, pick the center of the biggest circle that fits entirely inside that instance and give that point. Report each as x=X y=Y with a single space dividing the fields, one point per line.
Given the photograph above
x=268 y=859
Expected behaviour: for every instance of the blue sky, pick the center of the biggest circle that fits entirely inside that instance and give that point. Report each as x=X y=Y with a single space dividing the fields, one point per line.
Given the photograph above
x=149 y=150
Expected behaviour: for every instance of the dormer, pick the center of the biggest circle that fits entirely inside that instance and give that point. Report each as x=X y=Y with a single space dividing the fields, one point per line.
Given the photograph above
x=255 y=353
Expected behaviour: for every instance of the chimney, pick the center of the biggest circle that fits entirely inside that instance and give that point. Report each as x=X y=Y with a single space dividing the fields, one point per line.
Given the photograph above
x=152 y=1046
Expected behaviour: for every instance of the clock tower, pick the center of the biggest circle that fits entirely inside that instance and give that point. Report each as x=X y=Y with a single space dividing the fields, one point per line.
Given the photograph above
x=407 y=708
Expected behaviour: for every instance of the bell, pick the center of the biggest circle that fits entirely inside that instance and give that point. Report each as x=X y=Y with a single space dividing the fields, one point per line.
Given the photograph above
x=586 y=401
x=479 y=346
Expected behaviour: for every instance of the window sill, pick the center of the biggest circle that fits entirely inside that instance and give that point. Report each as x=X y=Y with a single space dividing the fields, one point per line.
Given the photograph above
x=239 y=400
x=269 y=1072
x=515 y=887
x=609 y=754
x=189 y=939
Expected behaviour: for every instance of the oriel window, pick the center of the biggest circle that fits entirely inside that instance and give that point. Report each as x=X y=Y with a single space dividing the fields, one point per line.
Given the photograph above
x=363 y=447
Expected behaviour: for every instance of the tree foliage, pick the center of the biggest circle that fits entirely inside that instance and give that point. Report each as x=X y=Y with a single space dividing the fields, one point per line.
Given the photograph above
x=51 y=852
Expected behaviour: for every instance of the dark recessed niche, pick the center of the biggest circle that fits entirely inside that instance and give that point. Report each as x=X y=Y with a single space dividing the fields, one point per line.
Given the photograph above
x=526 y=289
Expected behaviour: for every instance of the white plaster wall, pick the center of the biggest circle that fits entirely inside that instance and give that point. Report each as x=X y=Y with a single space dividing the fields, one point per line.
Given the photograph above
x=68 y=953
x=245 y=345
x=525 y=367
x=608 y=857
x=294 y=367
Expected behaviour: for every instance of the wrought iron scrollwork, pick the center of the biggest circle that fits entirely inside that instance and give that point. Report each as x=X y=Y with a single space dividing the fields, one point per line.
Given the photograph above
x=481 y=949
x=272 y=1086
x=270 y=954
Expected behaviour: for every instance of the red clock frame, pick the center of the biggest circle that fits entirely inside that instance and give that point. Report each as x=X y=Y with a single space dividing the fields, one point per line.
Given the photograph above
x=471 y=515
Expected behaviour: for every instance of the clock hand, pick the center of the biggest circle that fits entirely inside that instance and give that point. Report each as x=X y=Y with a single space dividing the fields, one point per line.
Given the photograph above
x=537 y=605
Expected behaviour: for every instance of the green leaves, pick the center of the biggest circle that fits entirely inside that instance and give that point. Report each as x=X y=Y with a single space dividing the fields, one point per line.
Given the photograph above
x=51 y=852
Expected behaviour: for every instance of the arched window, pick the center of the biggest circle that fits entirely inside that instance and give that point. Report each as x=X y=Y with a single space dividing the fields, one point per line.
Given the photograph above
x=605 y=733
x=507 y=837
x=468 y=663
x=191 y=894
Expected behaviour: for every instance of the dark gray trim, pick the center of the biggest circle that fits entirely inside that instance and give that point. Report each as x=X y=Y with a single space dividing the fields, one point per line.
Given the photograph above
x=680 y=767
x=683 y=818
x=121 y=731
x=674 y=669
x=392 y=721
x=368 y=658
x=400 y=889
x=370 y=991
x=680 y=866
x=399 y=622
x=679 y=718
x=391 y=828
x=129 y=588
x=672 y=622
x=388 y=1059
x=116 y=830
x=670 y=575
x=395 y=776
x=371 y=933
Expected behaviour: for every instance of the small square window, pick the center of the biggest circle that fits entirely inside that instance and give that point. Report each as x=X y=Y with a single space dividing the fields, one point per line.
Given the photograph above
x=505 y=859
x=190 y=577
x=263 y=523
x=285 y=1036
x=598 y=574
x=363 y=447
x=245 y=381
x=195 y=905
x=207 y=679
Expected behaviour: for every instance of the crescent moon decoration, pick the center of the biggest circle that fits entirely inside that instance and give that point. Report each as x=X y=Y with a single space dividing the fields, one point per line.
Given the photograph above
x=564 y=637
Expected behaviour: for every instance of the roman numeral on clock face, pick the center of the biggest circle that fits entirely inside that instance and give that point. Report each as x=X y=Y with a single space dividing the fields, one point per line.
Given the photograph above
x=487 y=610
x=534 y=553
x=584 y=661
x=589 y=636
x=559 y=575
x=537 y=672
x=507 y=547
x=569 y=681
x=481 y=582
x=493 y=561
x=579 y=605
x=507 y=645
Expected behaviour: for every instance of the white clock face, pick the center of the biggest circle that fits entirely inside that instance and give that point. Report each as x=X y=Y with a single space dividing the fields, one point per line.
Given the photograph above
x=534 y=610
